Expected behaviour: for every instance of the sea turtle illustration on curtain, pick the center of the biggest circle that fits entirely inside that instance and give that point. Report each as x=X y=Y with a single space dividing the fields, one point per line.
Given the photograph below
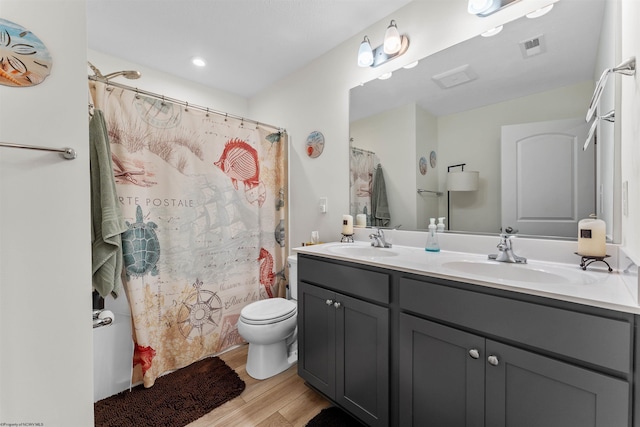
x=140 y=247
x=239 y=161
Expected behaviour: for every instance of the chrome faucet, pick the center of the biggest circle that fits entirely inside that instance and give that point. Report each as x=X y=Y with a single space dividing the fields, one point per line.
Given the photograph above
x=505 y=249
x=378 y=240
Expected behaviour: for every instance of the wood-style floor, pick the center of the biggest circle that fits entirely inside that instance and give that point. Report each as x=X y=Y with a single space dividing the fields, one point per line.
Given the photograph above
x=280 y=401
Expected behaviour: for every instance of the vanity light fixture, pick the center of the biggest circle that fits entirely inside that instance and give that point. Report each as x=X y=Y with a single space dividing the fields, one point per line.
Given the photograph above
x=365 y=53
x=393 y=46
x=459 y=181
x=484 y=8
x=392 y=41
x=198 y=61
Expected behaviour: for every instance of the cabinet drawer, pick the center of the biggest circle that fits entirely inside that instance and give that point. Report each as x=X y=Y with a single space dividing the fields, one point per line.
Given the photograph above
x=593 y=339
x=355 y=281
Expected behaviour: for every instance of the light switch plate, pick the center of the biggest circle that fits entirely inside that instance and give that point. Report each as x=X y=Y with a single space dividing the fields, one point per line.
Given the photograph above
x=323 y=205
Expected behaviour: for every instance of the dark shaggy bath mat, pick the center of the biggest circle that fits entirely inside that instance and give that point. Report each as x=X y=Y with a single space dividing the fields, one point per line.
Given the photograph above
x=175 y=400
x=333 y=417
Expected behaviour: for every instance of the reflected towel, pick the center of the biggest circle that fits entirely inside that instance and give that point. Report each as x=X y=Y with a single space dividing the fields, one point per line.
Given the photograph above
x=380 y=215
x=107 y=223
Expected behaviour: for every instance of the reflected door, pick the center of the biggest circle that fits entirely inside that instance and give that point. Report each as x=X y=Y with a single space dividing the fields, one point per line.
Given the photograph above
x=548 y=181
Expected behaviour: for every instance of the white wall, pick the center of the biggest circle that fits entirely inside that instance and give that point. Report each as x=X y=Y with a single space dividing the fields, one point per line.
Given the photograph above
x=45 y=249
x=426 y=142
x=392 y=136
x=171 y=86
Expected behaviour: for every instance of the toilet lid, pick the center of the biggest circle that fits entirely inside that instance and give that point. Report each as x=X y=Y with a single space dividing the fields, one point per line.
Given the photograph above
x=270 y=310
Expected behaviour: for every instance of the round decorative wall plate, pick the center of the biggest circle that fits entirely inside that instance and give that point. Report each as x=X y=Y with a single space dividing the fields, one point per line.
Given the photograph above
x=24 y=59
x=422 y=165
x=315 y=144
x=432 y=159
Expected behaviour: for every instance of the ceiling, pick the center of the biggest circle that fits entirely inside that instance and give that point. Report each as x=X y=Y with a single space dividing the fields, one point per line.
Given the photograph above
x=570 y=36
x=247 y=44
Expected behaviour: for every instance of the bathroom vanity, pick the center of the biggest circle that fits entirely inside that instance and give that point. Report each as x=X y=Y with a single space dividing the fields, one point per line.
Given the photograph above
x=399 y=345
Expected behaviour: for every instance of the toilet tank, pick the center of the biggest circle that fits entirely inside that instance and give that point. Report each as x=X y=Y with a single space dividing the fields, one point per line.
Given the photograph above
x=292 y=263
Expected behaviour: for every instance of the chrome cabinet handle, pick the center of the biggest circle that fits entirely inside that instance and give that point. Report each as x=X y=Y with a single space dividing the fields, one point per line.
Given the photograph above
x=474 y=353
x=493 y=360
x=336 y=304
x=329 y=302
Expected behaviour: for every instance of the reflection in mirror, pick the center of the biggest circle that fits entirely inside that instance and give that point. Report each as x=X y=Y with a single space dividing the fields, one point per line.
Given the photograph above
x=511 y=107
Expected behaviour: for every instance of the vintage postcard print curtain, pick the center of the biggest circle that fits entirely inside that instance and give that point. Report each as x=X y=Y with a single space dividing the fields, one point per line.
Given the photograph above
x=203 y=198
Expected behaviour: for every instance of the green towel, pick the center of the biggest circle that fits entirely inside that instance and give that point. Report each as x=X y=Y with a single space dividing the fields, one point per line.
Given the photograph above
x=380 y=215
x=107 y=223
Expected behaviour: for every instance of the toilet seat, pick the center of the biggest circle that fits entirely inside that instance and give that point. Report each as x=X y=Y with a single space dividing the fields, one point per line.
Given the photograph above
x=268 y=311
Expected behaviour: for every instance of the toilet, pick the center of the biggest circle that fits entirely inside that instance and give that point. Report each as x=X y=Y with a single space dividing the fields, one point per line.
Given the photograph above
x=270 y=328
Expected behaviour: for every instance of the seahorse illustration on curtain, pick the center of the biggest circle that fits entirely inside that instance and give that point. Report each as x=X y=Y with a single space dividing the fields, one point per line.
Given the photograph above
x=239 y=161
x=267 y=276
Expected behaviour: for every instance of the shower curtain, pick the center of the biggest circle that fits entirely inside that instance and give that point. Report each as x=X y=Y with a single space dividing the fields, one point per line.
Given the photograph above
x=203 y=199
x=362 y=165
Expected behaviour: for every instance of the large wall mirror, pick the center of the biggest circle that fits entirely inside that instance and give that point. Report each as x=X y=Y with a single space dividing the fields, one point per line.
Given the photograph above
x=510 y=106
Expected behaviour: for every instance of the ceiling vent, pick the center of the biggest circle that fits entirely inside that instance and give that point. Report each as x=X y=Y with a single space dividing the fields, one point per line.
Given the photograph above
x=455 y=77
x=533 y=47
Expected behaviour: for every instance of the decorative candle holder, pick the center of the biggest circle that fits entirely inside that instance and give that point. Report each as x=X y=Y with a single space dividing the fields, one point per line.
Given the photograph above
x=347 y=238
x=587 y=260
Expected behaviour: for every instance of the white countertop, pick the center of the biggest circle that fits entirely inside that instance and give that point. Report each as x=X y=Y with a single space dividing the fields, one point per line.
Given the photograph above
x=565 y=282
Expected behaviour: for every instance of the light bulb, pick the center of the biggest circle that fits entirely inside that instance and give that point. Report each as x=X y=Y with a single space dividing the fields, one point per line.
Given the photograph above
x=365 y=53
x=392 y=42
x=480 y=6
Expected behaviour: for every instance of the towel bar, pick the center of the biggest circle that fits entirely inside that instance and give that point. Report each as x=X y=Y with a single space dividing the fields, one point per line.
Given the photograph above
x=67 y=153
x=437 y=193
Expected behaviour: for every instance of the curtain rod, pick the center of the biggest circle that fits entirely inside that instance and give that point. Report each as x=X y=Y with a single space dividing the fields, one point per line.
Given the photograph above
x=179 y=102
x=362 y=150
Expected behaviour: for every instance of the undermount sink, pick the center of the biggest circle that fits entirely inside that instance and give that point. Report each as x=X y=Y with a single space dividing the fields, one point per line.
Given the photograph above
x=362 y=251
x=515 y=272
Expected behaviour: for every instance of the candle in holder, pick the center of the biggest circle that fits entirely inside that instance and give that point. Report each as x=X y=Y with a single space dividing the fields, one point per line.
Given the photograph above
x=347 y=225
x=361 y=220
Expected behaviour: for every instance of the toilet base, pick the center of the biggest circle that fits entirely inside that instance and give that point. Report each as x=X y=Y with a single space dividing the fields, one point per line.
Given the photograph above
x=267 y=360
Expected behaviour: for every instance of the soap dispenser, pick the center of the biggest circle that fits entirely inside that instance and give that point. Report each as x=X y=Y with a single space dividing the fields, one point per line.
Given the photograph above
x=440 y=225
x=432 y=238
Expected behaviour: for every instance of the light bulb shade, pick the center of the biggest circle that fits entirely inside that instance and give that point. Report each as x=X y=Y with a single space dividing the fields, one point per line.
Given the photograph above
x=392 y=41
x=481 y=7
x=463 y=181
x=365 y=53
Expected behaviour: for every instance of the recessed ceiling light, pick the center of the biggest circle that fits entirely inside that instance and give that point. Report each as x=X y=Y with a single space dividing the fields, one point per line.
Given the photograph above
x=385 y=76
x=492 y=32
x=411 y=65
x=198 y=62
x=540 y=12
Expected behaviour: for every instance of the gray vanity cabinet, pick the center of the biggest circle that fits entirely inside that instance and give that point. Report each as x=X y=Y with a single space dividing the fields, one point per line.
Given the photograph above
x=453 y=378
x=343 y=344
x=454 y=374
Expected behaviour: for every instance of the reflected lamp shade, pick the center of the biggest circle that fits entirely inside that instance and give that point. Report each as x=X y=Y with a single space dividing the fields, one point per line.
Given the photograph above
x=463 y=181
x=392 y=41
x=365 y=53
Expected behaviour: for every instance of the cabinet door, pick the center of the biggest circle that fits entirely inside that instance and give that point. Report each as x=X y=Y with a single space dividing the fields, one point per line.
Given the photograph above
x=528 y=390
x=316 y=337
x=441 y=375
x=362 y=359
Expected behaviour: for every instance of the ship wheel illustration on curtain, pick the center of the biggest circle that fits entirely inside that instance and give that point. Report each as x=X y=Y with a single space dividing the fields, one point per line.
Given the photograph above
x=200 y=313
